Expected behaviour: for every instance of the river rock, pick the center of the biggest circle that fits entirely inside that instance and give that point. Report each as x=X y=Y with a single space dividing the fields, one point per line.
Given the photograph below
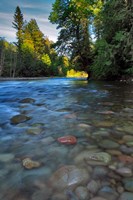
x=128 y=184
x=125 y=172
x=86 y=126
x=106 y=124
x=126 y=196
x=108 y=193
x=69 y=176
x=19 y=119
x=108 y=144
x=100 y=172
x=93 y=158
x=93 y=186
x=47 y=140
x=82 y=193
x=29 y=164
x=113 y=152
x=98 y=198
x=126 y=150
x=6 y=157
x=58 y=196
x=128 y=138
x=129 y=144
x=68 y=139
x=34 y=130
x=27 y=100
x=39 y=195
x=125 y=159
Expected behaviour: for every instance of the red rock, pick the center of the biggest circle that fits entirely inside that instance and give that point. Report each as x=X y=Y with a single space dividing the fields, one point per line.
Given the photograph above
x=69 y=139
x=125 y=158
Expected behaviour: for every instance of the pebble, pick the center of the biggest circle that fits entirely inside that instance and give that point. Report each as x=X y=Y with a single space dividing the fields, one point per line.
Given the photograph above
x=29 y=164
x=128 y=184
x=68 y=176
x=98 y=198
x=126 y=196
x=27 y=100
x=19 y=119
x=108 y=144
x=125 y=172
x=6 y=157
x=82 y=193
x=93 y=186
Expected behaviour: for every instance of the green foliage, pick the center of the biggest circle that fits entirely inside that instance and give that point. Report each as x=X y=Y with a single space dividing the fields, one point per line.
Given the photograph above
x=114 y=51
x=46 y=60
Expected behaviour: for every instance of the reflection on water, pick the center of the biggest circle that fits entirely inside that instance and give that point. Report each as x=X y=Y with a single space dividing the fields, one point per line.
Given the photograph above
x=35 y=166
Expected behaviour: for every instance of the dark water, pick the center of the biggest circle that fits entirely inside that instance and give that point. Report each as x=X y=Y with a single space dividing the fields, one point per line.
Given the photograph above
x=92 y=112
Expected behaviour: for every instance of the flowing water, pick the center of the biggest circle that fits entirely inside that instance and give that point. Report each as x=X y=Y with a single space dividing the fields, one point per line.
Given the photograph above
x=98 y=114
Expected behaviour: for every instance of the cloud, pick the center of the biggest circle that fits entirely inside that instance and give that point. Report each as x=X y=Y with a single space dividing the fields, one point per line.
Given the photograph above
x=38 y=10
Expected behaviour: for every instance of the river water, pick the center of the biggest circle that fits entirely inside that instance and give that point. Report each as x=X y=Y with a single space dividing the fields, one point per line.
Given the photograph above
x=98 y=114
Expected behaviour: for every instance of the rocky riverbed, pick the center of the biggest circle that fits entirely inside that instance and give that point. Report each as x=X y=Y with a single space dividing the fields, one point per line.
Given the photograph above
x=66 y=139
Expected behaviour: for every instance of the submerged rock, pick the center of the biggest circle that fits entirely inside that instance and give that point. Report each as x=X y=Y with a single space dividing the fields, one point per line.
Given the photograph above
x=126 y=196
x=108 y=144
x=128 y=184
x=6 y=157
x=69 y=176
x=93 y=158
x=93 y=186
x=27 y=100
x=82 y=193
x=34 y=130
x=124 y=171
x=68 y=139
x=19 y=119
x=29 y=164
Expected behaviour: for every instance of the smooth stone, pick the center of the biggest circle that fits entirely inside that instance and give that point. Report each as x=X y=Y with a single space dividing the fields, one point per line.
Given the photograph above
x=113 y=152
x=108 y=193
x=93 y=186
x=34 y=131
x=58 y=196
x=129 y=144
x=128 y=184
x=19 y=119
x=126 y=150
x=93 y=158
x=106 y=124
x=108 y=144
x=98 y=198
x=27 y=100
x=82 y=193
x=6 y=157
x=126 y=196
x=127 y=128
x=39 y=195
x=124 y=171
x=127 y=138
x=47 y=140
x=101 y=132
x=120 y=189
x=125 y=159
x=100 y=172
x=29 y=164
x=82 y=125
x=69 y=176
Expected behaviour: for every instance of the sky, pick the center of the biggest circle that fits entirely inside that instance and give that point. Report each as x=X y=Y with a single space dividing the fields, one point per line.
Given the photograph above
x=31 y=9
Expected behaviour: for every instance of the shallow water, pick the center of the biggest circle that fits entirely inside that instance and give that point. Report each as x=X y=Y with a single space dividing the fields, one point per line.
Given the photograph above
x=92 y=112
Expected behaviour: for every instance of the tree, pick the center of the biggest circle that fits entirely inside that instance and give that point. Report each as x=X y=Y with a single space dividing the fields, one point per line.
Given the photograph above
x=114 y=50
x=18 y=25
x=72 y=17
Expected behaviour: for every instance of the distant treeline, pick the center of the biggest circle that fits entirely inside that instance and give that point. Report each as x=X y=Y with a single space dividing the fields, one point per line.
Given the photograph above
x=96 y=36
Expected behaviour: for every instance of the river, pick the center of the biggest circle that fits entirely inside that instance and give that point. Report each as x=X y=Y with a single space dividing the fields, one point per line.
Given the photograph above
x=35 y=165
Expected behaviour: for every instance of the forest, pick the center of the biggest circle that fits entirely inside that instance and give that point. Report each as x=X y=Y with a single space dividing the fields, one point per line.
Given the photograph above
x=95 y=38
